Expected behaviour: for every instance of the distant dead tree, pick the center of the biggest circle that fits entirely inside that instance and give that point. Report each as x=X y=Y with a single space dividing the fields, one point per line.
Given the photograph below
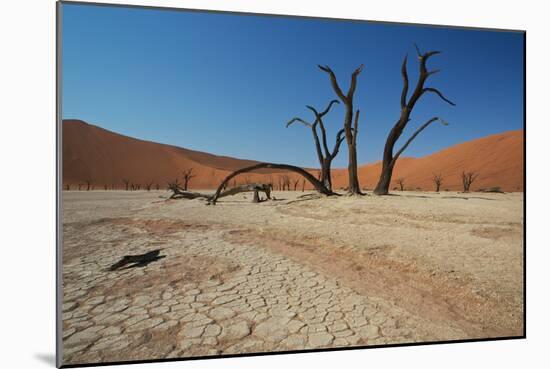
x=187 y=175
x=80 y=186
x=438 y=180
x=350 y=132
x=467 y=179
x=286 y=183
x=88 y=184
x=126 y=184
x=389 y=158
x=401 y=183
x=324 y=154
x=157 y=187
x=175 y=184
x=303 y=185
x=67 y=187
x=148 y=185
x=105 y=187
x=295 y=182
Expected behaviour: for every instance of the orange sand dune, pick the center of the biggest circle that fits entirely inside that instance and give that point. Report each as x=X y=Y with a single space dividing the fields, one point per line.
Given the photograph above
x=498 y=159
x=106 y=158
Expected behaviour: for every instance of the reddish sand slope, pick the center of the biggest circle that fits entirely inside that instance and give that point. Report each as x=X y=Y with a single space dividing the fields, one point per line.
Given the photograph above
x=106 y=158
x=498 y=160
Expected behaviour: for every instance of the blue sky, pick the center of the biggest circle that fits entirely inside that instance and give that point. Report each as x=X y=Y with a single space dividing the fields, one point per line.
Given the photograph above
x=227 y=84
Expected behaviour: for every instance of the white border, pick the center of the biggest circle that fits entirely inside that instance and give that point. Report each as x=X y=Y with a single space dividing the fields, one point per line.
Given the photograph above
x=28 y=186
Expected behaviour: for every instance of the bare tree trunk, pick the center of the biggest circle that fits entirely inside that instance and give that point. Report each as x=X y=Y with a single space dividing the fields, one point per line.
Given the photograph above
x=350 y=132
x=388 y=158
x=256 y=198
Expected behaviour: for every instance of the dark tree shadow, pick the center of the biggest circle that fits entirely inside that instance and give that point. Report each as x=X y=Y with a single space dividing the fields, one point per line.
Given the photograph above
x=137 y=261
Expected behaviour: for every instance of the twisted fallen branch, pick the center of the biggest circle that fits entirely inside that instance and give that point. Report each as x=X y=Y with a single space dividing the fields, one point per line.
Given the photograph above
x=179 y=193
x=319 y=186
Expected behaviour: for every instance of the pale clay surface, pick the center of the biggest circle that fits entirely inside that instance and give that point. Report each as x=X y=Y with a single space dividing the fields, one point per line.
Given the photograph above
x=212 y=294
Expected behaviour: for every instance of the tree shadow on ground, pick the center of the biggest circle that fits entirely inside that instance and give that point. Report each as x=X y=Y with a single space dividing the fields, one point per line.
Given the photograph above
x=137 y=261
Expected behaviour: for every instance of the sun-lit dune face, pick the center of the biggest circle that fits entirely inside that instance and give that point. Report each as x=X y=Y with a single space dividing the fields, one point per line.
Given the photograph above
x=498 y=159
x=106 y=158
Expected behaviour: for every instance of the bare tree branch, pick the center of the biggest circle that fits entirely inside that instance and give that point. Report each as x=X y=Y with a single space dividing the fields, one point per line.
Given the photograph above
x=300 y=120
x=333 y=81
x=436 y=91
x=353 y=83
x=420 y=129
x=405 y=83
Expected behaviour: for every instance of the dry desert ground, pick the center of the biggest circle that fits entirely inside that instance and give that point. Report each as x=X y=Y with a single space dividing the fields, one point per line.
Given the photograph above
x=291 y=274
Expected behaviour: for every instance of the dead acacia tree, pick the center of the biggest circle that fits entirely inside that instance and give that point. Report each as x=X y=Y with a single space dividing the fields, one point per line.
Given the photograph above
x=105 y=187
x=324 y=154
x=157 y=186
x=438 y=180
x=295 y=182
x=350 y=132
x=303 y=185
x=286 y=182
x=389 y=158
x=467 y=179
x=88 y=184
x=148 y=185
x=67 y=187
x=187 y=175
x=401 y=183
x=318 y=185
x=126 y=184
x=80 y=186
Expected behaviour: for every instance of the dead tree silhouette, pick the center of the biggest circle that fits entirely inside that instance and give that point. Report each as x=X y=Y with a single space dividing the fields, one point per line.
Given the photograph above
x=467 y=179
x=401 y=183
x=88 y=184
x=438 y=181
x=295 y=182
x=187 y=175
x=324 y=154
x=389 y=158
x=350 y=132
x=126 y=184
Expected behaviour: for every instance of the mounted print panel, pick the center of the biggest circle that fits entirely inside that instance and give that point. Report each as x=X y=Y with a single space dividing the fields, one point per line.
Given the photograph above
x=235 y=184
